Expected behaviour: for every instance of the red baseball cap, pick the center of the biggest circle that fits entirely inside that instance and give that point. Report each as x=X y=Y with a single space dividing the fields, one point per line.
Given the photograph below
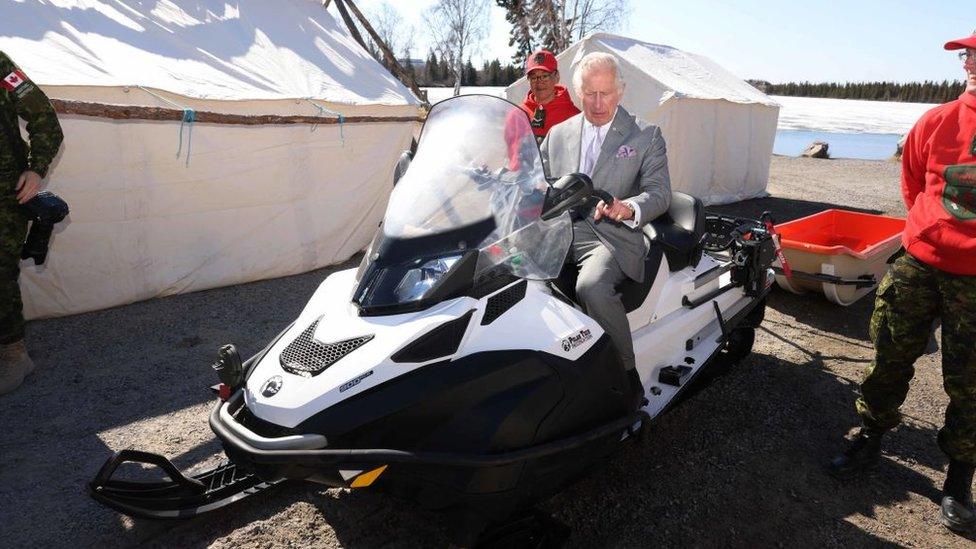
x=542 y=60
x=961 y=43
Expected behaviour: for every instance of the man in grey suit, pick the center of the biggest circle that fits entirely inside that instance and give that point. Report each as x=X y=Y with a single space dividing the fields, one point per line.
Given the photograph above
x=627 y=158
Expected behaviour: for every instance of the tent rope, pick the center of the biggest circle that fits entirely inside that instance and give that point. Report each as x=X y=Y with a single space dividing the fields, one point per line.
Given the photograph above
x=189 y=117
x=323 y=111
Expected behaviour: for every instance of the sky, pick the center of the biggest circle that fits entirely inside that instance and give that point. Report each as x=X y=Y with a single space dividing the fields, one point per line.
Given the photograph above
x=778 y=41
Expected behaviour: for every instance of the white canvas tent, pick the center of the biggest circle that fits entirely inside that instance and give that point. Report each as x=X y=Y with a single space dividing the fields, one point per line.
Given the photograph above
x=719 y=129
x=266 y=181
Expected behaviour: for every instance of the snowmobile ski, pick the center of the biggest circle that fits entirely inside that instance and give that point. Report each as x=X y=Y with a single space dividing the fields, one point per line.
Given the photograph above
x=179 y=498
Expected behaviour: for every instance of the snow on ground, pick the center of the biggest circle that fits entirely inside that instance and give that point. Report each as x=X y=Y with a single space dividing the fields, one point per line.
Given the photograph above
x=847 y=115
x=800 y=113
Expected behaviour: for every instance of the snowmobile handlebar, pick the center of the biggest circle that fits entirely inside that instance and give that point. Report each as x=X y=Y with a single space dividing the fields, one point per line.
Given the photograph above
x=606 y=197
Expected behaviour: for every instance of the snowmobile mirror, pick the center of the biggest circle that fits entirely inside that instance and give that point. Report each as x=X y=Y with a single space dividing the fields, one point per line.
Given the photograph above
x=567 y=192
x=401 y=166
x=229 y=368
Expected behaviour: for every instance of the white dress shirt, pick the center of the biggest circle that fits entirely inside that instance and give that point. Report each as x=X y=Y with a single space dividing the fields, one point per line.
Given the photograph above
x=591 y=142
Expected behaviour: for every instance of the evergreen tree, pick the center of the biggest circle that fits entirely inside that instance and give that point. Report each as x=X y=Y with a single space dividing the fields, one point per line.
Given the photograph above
x=913 y=92
x=408 y=67
x=509 y=74
x=546 y=25
x=470 y=74
x=494 y=76
x=445 y=69
x=433 y=74
x=517 y=13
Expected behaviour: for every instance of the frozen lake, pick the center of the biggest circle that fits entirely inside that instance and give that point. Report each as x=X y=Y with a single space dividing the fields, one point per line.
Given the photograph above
x=853 y=128
x=867 y=130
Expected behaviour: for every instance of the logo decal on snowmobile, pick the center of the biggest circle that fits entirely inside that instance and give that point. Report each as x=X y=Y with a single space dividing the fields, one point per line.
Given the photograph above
x=354 y=381
x=576 y=340
x=272 y=386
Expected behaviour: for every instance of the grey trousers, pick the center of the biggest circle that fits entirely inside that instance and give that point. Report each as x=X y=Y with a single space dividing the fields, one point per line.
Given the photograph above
x=596 y=289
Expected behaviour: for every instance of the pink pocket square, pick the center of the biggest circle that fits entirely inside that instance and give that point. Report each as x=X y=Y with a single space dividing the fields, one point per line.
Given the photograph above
x=626 y=152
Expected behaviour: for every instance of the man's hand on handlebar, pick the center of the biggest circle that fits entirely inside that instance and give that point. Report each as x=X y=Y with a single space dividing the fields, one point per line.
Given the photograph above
x=616 y=211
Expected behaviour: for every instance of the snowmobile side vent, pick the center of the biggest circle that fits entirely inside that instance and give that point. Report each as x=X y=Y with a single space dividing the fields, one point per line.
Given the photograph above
x=307 y=357
x=673 y=375
x=440 y=342
x=503 y=301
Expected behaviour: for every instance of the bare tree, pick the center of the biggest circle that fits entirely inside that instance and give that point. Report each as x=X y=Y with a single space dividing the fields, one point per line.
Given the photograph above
x=559 y=23
x=376 y=42
x=407 y=61
x=458 y=28
x=390 y=26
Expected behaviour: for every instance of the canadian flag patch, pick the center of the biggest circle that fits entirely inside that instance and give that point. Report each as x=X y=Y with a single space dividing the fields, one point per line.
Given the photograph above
x=13 y=80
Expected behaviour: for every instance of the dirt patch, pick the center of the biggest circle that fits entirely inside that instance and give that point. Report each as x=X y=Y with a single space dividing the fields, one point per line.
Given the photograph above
x=739 y=464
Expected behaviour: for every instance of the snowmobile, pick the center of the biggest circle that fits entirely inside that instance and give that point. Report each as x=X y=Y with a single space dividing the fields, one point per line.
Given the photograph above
x=454 y=367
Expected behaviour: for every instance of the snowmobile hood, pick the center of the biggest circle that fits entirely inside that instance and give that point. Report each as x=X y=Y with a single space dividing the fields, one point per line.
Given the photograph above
x=287 y=387
x=378 y=349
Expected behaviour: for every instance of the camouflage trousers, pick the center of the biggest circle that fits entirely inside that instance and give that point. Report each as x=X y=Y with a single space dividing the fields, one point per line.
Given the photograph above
x=13 y=230
x=911 y=296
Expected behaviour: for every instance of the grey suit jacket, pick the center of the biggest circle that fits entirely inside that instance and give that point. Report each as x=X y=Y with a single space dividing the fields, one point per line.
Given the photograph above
x=633 y=165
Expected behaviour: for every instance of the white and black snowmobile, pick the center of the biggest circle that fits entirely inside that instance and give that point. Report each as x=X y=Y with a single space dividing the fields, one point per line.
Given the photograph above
x=451 y=368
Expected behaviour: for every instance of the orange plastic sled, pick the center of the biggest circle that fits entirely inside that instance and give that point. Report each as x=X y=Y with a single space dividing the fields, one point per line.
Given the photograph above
x=843 y=254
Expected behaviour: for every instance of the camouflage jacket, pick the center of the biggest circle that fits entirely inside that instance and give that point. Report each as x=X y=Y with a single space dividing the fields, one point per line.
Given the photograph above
x=21 y=98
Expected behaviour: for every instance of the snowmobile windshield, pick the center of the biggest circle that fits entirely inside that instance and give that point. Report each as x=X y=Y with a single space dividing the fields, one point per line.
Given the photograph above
x=475 y=190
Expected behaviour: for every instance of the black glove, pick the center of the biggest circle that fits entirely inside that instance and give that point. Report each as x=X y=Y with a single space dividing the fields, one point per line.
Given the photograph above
x=45 y=210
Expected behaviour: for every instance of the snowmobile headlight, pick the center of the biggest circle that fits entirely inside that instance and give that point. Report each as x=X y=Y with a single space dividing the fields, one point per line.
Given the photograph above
x=418 y=281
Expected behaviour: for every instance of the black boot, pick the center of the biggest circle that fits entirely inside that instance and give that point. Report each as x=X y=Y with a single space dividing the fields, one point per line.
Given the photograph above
x=863 y=453
x=957 y=501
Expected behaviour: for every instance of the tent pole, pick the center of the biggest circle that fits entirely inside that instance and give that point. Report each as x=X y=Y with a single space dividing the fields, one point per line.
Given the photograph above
x=349 y=23
x=387 y=54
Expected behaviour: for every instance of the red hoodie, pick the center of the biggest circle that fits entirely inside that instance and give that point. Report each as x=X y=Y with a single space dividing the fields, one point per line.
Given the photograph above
x=938 y=182
x=560 y=108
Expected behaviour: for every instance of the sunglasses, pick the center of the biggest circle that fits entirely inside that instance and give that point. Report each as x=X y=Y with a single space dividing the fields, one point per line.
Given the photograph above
x=966 y=55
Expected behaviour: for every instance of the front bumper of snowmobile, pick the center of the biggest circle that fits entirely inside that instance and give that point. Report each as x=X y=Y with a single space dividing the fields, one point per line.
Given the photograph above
x=237 y=443
x=258 y=463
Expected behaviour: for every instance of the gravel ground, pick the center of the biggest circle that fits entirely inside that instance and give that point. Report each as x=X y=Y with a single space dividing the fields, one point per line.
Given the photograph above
x=739 y=464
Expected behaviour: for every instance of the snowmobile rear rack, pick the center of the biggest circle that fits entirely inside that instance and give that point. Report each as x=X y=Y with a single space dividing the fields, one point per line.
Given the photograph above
x=179 y=498
x=748 y=246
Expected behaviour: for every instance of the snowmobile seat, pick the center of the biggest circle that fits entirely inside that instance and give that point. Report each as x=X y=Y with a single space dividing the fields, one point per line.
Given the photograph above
x=675 y=234
x=679 y=230
x=632 y=293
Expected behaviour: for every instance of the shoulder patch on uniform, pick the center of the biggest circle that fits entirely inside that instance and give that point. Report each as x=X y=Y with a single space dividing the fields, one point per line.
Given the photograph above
x=14 y=80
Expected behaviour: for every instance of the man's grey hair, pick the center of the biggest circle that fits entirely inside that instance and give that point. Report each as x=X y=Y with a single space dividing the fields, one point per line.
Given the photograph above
x=597 y=61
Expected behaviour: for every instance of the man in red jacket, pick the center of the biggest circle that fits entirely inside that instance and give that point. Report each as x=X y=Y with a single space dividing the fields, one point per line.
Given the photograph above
x=935 y=277
x=547 y=103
